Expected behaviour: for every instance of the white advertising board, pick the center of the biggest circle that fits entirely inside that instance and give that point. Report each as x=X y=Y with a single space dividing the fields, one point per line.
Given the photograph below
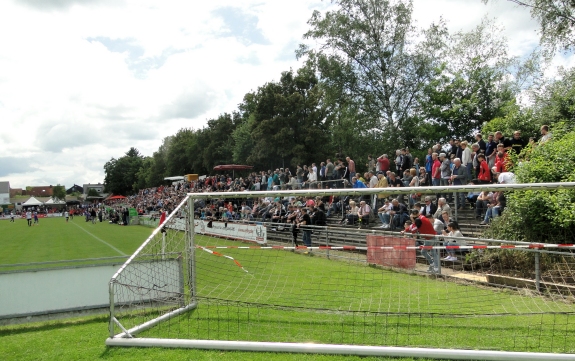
x=232 y=230
x=244 y=231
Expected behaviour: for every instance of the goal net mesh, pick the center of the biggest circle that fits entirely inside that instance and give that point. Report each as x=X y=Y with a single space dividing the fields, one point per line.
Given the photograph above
x=253 y=279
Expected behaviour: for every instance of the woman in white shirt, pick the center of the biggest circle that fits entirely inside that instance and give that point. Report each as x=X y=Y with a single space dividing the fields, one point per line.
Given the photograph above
x=351 y=216
x=452 y=231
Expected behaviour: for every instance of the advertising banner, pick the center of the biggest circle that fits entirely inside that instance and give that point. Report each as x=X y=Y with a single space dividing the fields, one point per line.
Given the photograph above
x=231 y=230
x=247 y=232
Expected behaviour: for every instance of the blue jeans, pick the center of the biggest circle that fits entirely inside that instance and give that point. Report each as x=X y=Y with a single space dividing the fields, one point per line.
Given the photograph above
x=492 y=212
x=432 y=256
x=384 y=218
x=306 y=238
x=469 y=167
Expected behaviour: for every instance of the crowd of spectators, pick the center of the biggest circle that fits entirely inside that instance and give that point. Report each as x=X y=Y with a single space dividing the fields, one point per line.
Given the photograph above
x=456 y=163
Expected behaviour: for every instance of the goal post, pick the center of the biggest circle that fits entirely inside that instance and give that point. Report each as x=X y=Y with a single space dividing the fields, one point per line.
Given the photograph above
x=254 y=284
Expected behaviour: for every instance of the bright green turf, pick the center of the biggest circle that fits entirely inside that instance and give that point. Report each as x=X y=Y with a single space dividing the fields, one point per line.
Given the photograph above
x=55 y=240
x=292 y=297
x=233 y=320
x=83 y=339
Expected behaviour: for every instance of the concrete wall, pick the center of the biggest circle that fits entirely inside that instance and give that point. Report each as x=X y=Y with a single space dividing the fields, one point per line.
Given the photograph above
x=48 y=291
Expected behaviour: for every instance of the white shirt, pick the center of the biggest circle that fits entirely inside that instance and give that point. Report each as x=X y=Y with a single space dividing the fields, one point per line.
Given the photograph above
x=506 y=178
x=466 y=156
x=312 y=176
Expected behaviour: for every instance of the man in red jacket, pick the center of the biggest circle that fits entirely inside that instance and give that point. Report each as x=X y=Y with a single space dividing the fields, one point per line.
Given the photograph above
x=424 y=226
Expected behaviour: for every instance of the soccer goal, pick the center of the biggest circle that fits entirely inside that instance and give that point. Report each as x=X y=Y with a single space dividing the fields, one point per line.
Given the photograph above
x=261 y=283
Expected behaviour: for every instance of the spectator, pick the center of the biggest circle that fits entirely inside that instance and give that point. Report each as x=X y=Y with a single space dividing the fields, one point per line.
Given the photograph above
x=383 y=163
x=452 y=231
x=459 y=178
x=466 y=158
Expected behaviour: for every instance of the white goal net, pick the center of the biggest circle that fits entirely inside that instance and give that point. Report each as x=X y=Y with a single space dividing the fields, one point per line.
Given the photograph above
x=264 y=279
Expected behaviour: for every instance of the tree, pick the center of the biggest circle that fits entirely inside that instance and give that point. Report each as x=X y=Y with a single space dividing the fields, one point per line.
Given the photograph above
x=215 y=142
x=289 y=123
x=243 y=141
x=376 y=58
x=473 y=85
x=59 y=192
x=121 y=174
x=555 y=102
x=556 y=21
x=542 y=216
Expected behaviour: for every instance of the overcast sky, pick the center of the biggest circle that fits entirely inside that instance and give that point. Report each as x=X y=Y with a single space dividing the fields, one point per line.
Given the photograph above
x=82 y=81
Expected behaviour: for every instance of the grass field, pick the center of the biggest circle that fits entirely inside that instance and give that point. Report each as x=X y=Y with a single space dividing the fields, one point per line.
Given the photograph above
x=224 y=314
x=55 y=240
x=83 y=339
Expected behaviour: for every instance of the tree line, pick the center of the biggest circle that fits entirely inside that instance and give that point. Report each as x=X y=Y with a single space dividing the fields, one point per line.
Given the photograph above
x=375 y=82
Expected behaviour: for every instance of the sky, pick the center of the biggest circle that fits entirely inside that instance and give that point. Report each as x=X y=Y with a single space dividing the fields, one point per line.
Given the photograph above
x=82 y=81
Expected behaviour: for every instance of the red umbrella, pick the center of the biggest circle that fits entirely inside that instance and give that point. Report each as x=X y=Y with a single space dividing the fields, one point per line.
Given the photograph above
x=233 y=167
x=115 y=197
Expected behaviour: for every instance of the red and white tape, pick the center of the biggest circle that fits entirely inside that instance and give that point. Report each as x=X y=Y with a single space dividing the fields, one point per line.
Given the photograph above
x=396 y=248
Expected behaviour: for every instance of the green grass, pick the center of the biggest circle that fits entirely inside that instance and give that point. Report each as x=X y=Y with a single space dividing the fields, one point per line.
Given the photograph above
x=284 y=296
x=292 y=297
x=55 y=240
x=83 y=339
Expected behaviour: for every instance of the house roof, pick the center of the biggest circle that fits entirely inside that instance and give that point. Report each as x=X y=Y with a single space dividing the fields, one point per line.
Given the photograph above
x=32 y=201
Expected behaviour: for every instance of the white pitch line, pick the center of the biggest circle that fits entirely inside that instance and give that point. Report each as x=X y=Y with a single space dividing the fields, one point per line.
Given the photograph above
x=101 y=240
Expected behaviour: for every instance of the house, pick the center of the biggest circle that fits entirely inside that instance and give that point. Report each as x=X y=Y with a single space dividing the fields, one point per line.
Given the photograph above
x=97 y=187
x=75 y=188
x=41 y=191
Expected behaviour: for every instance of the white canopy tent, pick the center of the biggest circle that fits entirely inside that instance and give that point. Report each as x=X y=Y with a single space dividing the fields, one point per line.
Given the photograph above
x=53 y=202
x=32 y=201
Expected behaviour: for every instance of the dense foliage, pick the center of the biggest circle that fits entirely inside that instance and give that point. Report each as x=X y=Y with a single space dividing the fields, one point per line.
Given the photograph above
x=374 y=82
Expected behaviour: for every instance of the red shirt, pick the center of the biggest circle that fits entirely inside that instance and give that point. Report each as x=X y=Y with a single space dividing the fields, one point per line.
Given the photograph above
x=484 y=172
x=426 y=227
x=162 y=217
x=502 y=164
x=435 y=171
x=383 y=164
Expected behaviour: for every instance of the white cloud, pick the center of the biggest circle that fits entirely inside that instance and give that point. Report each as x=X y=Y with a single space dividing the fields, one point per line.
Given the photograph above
x=82 y=81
